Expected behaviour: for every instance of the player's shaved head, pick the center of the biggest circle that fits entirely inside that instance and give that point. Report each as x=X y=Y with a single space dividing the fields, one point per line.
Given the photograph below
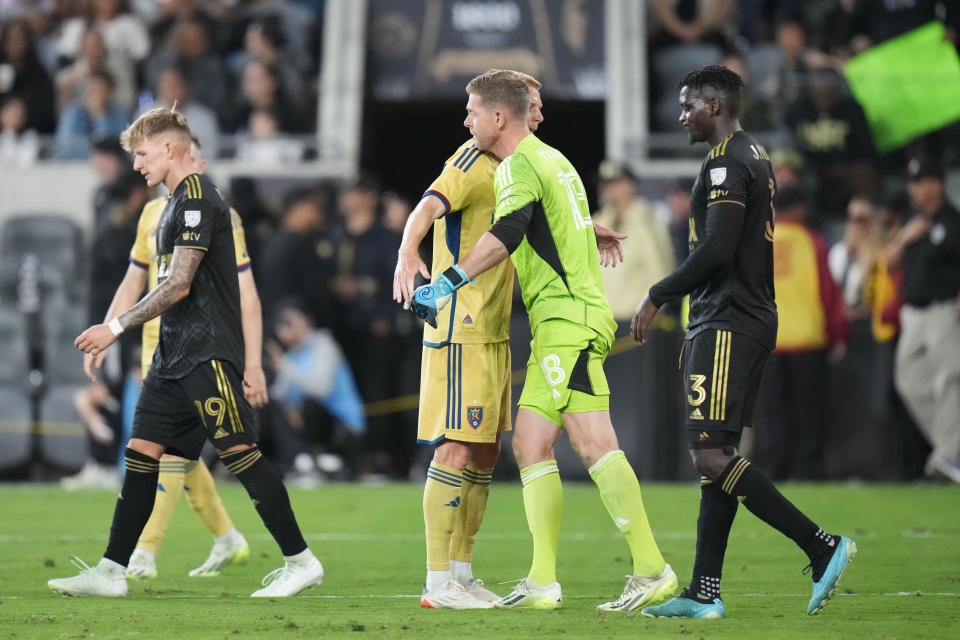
x=716 y=81
x=153 y=123
x=503 y=88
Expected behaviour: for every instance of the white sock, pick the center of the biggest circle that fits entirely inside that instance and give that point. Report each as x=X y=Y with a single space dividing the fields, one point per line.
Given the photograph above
x=436 y=579
x=302 y=558
x=229 y=536
x=462 y=571
x=111 y=568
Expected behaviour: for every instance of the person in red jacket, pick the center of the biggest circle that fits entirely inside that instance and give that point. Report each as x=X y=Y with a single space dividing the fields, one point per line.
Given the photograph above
x=812 y=334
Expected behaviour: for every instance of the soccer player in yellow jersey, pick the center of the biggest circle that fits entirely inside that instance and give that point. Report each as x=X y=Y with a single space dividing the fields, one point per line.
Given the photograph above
x=177 y=475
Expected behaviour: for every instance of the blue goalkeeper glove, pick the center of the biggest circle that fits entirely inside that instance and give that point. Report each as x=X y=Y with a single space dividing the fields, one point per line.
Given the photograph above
x=429 y=299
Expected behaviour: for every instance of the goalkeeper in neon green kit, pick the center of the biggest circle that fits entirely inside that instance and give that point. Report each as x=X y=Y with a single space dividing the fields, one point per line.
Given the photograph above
x=542 y=222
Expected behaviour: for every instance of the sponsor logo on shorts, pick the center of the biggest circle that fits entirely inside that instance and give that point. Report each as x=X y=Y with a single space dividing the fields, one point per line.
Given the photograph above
x=475 y=416
x=467 y=319
x=696 y=415
x=220 y=433
x=703 y=436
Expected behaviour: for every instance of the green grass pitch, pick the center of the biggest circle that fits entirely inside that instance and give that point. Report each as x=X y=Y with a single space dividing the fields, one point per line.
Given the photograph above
x=903 y=584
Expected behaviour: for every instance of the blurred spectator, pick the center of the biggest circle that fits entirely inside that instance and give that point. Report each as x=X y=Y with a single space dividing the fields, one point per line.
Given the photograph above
x=787 y=80
x=396 y=210
x=758 y=17
x=173 y=88
x=787 y=168
x=297 y=261
x=883 y=285
x=754 y=110
x=872 y=22
x=677 y=203
x=316 y=393
x=264 y=144
x=96 y=116
x=363 y=285
x=691 y=21
x=262 y=91
x=648 y=258
x=72 y=81
x=791 y=404
x=830 y=129
x=112 y=166
x=265 y=41
x=19 y=146
x=124 y=33
x=24 y=76
x=927 y=371
x=188 y=46
x=852 y=260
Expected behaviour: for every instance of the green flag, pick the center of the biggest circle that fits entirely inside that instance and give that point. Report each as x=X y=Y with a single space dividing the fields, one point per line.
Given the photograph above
x=907 y=86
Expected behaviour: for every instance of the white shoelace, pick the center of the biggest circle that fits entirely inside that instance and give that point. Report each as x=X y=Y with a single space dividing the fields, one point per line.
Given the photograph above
x=276 y=574
x=80 y=564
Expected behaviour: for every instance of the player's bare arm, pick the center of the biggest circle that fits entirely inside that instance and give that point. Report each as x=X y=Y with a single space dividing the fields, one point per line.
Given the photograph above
x=254 y=380
x=486 y=254
x=127 y=294
x=183 y=267
x=409 y=264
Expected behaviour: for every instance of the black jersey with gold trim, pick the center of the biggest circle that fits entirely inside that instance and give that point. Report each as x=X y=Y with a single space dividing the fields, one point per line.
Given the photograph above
x=207 y=323
x=739 y=296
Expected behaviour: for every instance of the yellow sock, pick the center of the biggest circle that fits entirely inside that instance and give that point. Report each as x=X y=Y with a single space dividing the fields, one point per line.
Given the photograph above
x=441 y=504
x=202 y=495
x=169 y=490
x=620 y=492
x=543 y=503
x=473 y=503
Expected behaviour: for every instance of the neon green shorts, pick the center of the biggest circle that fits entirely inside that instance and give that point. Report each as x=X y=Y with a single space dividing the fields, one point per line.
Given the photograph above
x=565 y=371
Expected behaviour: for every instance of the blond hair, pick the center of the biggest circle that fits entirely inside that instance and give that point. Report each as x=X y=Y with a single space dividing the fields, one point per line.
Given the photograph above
x=155 y=122
x=532 y=82
x=509 y=89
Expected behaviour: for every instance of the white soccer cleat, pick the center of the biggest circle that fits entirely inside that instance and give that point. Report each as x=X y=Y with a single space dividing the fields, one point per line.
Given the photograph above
x=452 y=595
x=527 y=595
x=231 y=548
x=291 y=579
x=642 y=591
x=480 y=592
x=142 y=564
x=107 y=579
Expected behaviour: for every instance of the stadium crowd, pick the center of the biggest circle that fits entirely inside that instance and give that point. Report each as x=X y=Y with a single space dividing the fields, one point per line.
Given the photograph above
x=244 y=73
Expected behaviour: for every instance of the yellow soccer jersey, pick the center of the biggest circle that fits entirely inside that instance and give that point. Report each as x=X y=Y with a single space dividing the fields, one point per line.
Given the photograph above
x=478 y=313
x=144 y=255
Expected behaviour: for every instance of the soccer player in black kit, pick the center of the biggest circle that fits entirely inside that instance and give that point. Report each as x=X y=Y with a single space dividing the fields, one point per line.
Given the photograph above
x=193 y=391
x=732 y=329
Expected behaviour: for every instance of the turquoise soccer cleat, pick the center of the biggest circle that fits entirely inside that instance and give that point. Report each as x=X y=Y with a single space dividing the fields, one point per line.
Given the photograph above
x=681 y=607
x=827 y=585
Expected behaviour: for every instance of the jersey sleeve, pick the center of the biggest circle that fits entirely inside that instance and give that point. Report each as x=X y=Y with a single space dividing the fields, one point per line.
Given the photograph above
x=455 y=182
x=239 y=241
x=195 y=221
x=140 y=252
x=515 y=185
x=727 y=180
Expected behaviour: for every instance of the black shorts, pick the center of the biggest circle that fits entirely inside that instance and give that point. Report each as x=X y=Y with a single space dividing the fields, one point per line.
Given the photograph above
x=721 y=373
x=207 y=403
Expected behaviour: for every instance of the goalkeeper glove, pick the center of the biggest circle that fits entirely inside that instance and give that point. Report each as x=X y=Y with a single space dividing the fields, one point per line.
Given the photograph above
x=429 y=299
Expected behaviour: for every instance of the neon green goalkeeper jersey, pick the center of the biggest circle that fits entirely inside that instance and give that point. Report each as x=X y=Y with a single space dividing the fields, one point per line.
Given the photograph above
x=557 y=260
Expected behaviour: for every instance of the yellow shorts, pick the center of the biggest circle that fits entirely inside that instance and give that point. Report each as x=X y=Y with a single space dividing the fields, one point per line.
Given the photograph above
x=464 y=392
x=565 y=371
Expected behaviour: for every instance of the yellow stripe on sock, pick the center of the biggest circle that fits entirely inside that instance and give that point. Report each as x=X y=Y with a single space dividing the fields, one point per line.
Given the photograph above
x=243 y=463
x=734 y=477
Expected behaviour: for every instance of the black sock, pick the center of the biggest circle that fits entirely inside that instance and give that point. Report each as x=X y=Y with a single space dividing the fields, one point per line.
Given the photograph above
x=269 y=496
x=717 y=510
x=758 y=494
x=133 y=506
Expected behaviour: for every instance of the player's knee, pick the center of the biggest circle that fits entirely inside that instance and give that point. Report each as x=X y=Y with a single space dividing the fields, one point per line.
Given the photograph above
x=234 y=449
x=530 y=450
x=710 y=462
x=451 y=453
x=485 y=455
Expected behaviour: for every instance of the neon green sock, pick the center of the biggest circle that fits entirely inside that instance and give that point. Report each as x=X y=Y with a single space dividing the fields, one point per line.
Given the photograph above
x=620 y=492
x=543 y=502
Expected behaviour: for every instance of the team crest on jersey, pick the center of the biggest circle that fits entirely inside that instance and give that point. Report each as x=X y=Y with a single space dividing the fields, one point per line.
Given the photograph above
x=191 y=218
x=475 y=416
x=718 y=175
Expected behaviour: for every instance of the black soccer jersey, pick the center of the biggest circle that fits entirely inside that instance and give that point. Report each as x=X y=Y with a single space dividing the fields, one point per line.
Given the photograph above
x=736 y=294
x=206 y=324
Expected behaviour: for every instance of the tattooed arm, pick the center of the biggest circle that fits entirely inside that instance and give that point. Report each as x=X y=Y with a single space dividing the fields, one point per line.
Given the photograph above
x=183 y=267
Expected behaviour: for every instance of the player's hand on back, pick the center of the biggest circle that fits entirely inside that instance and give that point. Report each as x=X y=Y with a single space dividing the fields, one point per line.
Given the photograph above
x=255 y=387
x=608 y=244
x=95 y=340
x=409 y=265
